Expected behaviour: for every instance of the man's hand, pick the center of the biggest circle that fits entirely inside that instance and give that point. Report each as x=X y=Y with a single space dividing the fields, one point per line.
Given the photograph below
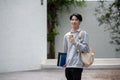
x=64 y=66
x=71 y=38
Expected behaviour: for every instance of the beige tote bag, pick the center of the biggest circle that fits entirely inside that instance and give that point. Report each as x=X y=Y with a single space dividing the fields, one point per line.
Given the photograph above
x=87 y=58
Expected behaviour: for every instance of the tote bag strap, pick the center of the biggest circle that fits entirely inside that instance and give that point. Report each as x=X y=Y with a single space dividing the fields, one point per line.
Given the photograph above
x=80 y=35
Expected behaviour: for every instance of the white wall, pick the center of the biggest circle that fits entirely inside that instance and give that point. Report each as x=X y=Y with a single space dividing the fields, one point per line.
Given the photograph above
x=98 y=38
x=22 y=35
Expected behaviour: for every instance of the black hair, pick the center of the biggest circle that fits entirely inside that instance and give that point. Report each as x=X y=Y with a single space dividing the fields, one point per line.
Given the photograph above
x=79 y=17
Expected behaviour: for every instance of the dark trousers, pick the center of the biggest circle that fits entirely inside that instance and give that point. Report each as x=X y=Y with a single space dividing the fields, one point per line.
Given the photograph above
x=73 y=73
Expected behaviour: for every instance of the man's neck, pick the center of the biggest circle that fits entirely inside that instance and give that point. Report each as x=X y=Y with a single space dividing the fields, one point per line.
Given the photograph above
x=74 y=29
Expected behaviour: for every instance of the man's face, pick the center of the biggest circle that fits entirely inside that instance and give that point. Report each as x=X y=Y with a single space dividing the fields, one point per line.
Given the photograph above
x=75 y=22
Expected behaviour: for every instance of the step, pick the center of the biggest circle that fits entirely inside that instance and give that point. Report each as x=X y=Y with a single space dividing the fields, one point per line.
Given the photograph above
x=98 y=63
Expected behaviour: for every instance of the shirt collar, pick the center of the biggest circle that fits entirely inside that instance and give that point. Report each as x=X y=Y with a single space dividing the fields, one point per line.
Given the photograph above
x=78 y=30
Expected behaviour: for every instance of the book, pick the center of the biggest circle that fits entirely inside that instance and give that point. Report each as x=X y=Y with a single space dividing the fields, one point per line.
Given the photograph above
x=61 y=59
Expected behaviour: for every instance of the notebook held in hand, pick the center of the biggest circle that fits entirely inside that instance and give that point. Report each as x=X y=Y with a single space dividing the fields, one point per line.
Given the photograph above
x=61 y=59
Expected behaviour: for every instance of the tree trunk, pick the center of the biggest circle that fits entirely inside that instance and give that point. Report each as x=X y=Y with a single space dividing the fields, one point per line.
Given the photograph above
x=51 y=53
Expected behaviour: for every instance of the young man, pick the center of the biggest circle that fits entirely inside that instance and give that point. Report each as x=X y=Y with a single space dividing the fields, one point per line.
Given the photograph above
x=73 y=46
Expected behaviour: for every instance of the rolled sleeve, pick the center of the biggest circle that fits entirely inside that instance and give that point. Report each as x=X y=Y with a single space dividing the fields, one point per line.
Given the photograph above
x=82 y=45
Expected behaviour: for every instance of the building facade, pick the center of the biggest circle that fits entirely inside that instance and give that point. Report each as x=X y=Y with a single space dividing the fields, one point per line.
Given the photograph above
x=23 y=34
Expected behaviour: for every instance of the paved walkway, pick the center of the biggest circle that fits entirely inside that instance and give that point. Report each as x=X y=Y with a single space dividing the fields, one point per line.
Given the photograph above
x=58 y=74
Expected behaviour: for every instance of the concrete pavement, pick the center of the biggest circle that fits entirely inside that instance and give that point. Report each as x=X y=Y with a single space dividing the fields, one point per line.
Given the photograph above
x=58 y=74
